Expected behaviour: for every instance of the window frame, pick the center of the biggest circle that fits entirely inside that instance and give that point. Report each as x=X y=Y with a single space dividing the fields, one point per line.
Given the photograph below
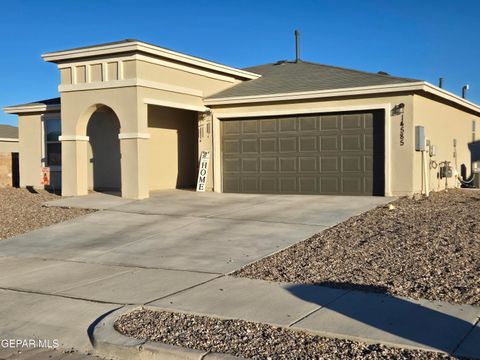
x=45 y=142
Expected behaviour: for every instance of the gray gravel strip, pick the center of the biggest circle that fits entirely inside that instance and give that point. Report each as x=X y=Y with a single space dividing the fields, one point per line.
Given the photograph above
x=22 y=211
x=251 y=340
x=427 y=248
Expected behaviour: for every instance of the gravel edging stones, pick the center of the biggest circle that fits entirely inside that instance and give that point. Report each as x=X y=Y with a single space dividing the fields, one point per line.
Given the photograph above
x=23 y=211
x=250 y=340
x=427 y=248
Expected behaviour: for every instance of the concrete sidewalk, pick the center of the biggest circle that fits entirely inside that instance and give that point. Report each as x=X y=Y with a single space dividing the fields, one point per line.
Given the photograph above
x=368 y=317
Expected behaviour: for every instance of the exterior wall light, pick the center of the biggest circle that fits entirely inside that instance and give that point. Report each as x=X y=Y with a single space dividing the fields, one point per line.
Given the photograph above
x=398 y=109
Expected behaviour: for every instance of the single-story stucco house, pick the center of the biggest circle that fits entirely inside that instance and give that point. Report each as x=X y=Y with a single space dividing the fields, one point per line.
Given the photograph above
x=8 y=155
x=135 y=117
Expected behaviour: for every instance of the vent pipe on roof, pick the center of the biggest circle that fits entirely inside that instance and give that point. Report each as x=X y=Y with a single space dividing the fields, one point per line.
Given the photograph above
x=297 y=45
x=440 y=82
x=464 y=91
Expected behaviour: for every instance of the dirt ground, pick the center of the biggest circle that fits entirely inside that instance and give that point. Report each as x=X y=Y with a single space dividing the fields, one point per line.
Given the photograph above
x=251 y=340
x=427 y=248
x=21 y=211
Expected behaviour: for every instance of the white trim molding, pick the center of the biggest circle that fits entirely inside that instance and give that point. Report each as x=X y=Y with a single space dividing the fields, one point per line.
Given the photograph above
x=73 y=138
x=176 y=105
x=8 y=140
x=152 y=50
x=33 y=108
x=124 y=136
x=130 y=82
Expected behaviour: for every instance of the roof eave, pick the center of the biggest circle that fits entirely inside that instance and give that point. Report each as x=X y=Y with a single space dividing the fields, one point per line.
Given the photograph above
x=37 y=108
x=138 y=46
x=365 y=90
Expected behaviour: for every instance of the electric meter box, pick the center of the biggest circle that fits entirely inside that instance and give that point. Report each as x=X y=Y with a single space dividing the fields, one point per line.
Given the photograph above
x=420 y=138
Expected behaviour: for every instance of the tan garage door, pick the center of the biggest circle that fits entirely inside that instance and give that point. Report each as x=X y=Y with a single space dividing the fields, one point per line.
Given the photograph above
x=310 y=154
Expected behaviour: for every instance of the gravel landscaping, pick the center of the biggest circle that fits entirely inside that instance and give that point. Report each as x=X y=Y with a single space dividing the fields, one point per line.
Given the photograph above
x=251 y=340
x=22 y=211
x=427 y=248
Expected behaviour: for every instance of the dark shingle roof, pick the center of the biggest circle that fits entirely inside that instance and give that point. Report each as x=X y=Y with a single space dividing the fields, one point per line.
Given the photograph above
x=8 y=132
x=54 y=101
x=291 y=77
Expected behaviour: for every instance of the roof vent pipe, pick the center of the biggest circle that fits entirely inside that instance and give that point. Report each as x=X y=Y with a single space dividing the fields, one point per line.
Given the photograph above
x=440 y=83
x=464 y=91
x=297 y=45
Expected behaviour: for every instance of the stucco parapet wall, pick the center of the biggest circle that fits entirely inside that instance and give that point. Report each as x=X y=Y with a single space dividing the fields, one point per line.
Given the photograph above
x=144 y=48
x=130 y=82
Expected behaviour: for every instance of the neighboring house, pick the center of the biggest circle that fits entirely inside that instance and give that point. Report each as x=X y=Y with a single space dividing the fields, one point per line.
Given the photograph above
x=134 y=117
x=8 y=156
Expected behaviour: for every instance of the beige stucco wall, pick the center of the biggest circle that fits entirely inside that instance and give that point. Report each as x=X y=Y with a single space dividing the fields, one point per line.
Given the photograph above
x=443 y=124
x=9 y=146
x=398 y=159
x=172 y=148
x=30 y=149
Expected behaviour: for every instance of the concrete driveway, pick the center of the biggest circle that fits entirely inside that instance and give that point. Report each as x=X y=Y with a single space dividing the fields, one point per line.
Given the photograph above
x=54 y=282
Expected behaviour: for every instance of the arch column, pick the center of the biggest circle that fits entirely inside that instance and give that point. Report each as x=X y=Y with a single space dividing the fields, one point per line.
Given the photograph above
x=74 y=165
x=134 y=149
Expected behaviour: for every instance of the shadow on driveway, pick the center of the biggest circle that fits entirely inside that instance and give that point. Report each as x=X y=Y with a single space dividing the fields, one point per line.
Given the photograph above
x=368 y=313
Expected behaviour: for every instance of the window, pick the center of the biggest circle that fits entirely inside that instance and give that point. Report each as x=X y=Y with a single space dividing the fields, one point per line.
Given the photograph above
x=53 y=147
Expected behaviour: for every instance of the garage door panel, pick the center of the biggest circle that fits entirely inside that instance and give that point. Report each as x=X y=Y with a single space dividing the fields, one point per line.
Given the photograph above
x=308 y=143
x=268 y=145
x=268 y=185
x=351 y=163
x=329 y=185
x=268 y=126
x=249 y=165
x=351 y=142
x=308 y=164
x=231 y=128
x=231 y=184
x=249 y=127
x=268 y=164
x=288 y=164
x=329 y=164
x=231 y=165
x=329 y=143
x=329 y=123
x=288 y=124
x=352 y=122
x=307 y=184
x=287 y=144
x=249 y=146
x=308 y=123
x=307 y=154
x=288 y=185
x=352 y=185
x=249 y=184
x=231 y=146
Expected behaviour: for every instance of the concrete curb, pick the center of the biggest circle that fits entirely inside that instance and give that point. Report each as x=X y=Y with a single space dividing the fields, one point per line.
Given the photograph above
x=109 y=343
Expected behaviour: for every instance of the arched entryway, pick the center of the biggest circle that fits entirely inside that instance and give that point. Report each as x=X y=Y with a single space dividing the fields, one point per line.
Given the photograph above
x=104 y=159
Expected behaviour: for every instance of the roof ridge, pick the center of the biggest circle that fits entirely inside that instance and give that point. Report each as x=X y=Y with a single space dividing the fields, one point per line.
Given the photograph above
x=360 y=71
x=334 y=67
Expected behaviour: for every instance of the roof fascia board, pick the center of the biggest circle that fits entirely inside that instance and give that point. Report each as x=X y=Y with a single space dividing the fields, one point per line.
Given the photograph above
x=149 y=49
x=31 y=108
x=366 y=90
x=315 y=94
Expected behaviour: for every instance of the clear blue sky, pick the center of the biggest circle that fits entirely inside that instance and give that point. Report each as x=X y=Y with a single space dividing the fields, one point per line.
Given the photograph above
x=420 y=39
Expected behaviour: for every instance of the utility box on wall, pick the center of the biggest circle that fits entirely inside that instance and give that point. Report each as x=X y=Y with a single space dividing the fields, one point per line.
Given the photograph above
x=420 y=144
